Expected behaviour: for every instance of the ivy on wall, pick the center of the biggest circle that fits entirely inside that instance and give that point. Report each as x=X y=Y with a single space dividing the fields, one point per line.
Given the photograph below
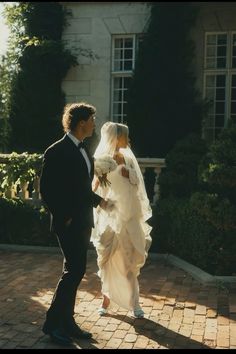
x=163 y=103
x=34 y=66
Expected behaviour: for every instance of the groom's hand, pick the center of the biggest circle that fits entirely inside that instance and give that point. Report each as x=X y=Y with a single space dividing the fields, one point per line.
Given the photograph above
x=103 y=204
x=107 y=205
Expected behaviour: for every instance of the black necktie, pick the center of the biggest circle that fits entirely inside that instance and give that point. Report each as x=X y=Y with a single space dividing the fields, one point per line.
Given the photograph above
x=81 y=145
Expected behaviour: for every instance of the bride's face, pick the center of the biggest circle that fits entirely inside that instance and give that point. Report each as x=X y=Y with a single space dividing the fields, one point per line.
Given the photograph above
x=122 y=141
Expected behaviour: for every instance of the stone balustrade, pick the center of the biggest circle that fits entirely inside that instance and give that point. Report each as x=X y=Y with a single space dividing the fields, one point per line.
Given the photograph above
x=30 y=192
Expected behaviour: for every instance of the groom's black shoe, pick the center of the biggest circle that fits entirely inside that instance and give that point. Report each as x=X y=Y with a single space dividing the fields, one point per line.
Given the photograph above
x=78 y=333
x=58 y=336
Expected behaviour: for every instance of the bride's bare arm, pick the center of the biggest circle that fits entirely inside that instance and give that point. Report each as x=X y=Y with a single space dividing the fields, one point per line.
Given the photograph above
x=119 y=158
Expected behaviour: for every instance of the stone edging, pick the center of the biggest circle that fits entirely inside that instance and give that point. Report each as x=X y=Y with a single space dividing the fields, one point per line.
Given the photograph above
x=197 y=273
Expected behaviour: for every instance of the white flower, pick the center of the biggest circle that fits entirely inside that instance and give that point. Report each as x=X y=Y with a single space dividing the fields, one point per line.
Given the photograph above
x=102 y=166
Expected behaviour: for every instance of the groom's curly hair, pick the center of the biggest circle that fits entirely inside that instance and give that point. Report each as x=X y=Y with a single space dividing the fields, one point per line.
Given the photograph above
x=75 y=112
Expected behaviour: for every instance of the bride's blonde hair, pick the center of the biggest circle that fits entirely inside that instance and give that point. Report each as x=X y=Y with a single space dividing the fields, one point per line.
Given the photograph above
x=122 y=130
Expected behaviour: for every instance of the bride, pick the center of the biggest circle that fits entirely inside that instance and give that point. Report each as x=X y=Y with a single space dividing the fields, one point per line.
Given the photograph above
x=122 y=236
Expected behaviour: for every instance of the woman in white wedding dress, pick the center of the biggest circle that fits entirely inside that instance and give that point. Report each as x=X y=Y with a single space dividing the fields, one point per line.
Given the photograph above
x=121 y=236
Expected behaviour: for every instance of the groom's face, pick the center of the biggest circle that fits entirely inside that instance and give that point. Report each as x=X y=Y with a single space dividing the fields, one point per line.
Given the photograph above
x=88 y=126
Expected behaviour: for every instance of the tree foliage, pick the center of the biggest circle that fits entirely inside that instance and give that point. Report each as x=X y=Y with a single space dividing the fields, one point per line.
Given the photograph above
x=37 y=61
x=163 y=104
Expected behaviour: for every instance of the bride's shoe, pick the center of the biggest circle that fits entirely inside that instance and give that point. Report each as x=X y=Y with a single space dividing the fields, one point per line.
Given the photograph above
x=102 y=311
x=138 y=313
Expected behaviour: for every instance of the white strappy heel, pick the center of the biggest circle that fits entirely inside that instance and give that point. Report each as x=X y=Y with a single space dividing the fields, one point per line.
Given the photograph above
x=102 y=311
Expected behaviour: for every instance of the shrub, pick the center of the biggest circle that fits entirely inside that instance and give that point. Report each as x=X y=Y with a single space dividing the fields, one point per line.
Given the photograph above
x=180 y=177
x=22 y=224
x=217 y=172
x=180 y=230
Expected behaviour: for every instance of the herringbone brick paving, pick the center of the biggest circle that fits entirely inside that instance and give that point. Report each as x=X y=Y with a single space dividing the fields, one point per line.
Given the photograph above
x=179 y=311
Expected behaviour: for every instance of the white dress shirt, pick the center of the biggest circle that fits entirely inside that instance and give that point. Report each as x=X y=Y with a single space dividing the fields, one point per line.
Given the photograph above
x=83 y=152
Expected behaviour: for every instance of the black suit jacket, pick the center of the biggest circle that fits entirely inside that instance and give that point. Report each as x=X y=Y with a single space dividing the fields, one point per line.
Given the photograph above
x=65 y=185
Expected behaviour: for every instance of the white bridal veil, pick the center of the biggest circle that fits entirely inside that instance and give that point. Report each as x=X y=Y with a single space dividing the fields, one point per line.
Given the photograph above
x=107 y=146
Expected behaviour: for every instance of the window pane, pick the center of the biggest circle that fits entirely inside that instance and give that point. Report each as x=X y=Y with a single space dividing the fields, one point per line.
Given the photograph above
x=220 y=80
x=221 y=39
x=220 y=107
x=233 y=94
x=118 y=54
x=125 y=108
x=233 y=107
x=233 y=81
x=128 y=65
x=216 y=51
x=220 y=94
x=128 y=54
x=125 y=95
x=128 y=42
x=118 y=65
x=117 y=95
x=234 y=39
x=221 y=62
x=118 y=43
x=117 y=82
x=123 y=54
x=120 y=97
x=234 y=63
x=117 y=108
x=221 y=51
x=233 y=117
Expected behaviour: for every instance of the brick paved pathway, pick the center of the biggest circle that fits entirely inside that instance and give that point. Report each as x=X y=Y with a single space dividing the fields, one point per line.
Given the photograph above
x=179 y=312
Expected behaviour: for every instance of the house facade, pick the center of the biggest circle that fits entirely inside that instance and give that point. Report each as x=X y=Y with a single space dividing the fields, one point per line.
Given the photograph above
x=113 y=31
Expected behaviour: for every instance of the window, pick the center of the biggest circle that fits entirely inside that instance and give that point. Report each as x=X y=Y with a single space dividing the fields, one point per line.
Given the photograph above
x=219 y=81
x=123 y=61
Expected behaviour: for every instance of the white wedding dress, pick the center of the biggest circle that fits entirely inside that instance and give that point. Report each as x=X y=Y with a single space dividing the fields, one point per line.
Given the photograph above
x=121 y=238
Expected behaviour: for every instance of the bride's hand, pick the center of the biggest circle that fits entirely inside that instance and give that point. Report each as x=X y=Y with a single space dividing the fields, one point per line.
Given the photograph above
x=119 y=158
x=125 y=172
x=95 y=184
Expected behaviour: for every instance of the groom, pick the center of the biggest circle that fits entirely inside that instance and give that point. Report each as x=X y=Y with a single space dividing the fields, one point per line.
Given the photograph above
x=65 y=187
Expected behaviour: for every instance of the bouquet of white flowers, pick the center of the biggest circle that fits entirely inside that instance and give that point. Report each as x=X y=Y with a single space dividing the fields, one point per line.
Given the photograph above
x=102 y=166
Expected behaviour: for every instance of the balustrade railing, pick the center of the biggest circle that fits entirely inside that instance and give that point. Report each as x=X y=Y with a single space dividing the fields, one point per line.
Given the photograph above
x=30 y=191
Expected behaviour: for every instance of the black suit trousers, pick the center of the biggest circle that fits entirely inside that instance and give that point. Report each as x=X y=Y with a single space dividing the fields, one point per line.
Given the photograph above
x=74 y=243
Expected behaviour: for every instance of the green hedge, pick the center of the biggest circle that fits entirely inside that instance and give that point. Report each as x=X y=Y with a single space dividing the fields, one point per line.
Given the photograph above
x=22 y=224
x=178 y=229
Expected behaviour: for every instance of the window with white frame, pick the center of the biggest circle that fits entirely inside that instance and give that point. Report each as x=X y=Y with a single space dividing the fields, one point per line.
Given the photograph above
x=219 y=81
x=124 y=50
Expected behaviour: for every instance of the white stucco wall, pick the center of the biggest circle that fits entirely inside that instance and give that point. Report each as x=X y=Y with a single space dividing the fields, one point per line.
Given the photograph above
x=91 y=27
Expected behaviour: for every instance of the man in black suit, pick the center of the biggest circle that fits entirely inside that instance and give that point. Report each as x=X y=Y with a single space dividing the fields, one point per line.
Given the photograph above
x=65 y=187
